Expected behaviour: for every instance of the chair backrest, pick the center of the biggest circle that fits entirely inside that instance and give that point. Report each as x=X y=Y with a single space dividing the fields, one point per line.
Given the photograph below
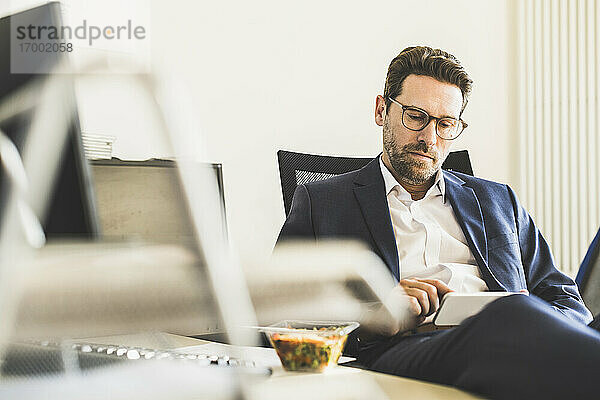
x=588 y=276
x=300 y=168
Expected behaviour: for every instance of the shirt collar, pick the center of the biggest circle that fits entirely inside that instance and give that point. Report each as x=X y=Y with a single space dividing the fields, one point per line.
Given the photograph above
x=439 y=186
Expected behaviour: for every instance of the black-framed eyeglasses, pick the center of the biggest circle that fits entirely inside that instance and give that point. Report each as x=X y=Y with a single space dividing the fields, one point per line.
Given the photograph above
x=415 y=119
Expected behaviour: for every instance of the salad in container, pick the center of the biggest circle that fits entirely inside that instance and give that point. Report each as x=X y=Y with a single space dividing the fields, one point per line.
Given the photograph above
x=309 y=345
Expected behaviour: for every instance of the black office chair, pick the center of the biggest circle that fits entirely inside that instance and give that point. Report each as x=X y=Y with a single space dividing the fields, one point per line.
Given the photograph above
x=588 y=276
x=300 y=168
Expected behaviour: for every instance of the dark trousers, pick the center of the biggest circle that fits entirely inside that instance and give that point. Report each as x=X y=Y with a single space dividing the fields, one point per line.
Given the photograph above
x=516 y=347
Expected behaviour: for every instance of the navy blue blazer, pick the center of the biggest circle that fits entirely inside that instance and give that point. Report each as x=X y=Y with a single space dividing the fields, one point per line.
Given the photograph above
x=510 y=250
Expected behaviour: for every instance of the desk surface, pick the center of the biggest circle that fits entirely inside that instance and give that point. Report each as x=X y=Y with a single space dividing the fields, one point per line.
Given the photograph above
x=392 y=386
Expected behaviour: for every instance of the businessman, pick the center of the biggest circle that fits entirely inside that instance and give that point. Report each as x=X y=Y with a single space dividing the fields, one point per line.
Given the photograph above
x=440 y=231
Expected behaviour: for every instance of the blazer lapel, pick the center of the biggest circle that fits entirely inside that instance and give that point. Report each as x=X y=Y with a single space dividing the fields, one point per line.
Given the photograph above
x=370 y=193
x=470 y=218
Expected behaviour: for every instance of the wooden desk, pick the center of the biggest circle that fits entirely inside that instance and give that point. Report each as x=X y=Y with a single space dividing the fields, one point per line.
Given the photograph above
x=392 y=386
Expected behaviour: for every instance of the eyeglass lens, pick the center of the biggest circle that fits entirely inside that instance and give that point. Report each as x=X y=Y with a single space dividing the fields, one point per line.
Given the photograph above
x=447 y=128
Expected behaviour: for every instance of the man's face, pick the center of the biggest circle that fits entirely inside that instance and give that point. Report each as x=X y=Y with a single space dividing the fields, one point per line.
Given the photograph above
x=417 y=156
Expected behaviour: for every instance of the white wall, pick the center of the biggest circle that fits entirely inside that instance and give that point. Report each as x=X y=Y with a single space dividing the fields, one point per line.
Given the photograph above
x=268 y=75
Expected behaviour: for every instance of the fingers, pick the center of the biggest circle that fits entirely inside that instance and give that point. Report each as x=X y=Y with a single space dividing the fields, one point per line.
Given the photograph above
x=424 y=293
x=414 y=305
x=419 y=297
x=441 y=287
x=415 y=309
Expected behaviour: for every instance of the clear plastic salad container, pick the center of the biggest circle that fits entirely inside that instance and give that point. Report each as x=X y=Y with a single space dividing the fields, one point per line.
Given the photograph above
x=309 y=345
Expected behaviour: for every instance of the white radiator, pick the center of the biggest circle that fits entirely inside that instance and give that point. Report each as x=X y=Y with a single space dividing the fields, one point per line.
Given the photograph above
x=558 y=122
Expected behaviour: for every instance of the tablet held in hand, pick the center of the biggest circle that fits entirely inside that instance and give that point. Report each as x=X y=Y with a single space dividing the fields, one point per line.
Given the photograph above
x=456 y=307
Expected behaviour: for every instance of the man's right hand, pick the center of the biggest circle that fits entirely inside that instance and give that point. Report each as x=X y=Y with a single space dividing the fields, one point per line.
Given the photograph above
x=424 y=296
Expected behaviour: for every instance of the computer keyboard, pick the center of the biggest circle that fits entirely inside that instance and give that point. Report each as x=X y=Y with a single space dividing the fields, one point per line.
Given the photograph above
x=43 y=358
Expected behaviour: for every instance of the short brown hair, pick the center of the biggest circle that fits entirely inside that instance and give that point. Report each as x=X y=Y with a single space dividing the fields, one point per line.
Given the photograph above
x=423 y=60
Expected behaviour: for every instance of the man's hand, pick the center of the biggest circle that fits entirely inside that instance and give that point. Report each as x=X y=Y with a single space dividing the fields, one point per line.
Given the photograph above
x=424 y=295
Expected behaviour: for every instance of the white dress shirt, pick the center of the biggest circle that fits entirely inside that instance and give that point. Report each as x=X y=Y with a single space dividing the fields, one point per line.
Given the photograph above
x=429 y=239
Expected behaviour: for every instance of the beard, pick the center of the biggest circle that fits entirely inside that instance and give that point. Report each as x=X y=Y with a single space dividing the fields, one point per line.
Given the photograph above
x=409 y=168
